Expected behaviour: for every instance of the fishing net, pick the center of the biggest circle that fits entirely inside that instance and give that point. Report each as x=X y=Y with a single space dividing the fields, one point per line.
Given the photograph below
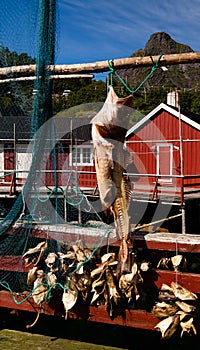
x=48 y=213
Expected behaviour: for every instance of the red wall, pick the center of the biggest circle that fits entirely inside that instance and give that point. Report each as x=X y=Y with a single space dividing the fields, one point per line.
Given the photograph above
x=164 y=128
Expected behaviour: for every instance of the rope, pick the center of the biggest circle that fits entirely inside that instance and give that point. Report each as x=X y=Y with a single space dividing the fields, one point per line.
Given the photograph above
x=156 y=222
x=5 y=284
x=113 y=72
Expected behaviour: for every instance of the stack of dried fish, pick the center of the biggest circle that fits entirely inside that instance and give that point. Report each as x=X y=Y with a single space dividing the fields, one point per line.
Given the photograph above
x=175 y=309
x=80 y=276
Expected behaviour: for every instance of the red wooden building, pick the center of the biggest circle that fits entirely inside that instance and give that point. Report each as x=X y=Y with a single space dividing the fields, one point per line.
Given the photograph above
x=159 y=141
x=74 y=153
x=165 y=144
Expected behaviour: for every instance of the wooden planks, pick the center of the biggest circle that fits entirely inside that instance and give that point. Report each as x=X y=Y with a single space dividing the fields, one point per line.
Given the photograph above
x=177 y=242
x=130 y=318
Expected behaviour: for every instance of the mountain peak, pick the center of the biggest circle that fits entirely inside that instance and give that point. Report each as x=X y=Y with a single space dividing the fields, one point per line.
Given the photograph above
x=180 y=75
x=161 y=42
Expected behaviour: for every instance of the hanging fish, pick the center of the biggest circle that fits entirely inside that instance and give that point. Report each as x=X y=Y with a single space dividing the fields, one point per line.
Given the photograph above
x=69 y=297
x=187 y=308
x=40 y=288
x=168 y=326
x=32 y=275
x=163 y=309
x=51 y=260
x=182 y=293
x=166 y=293
x=34 y=255
x=126 y=279
x=109 y=128
x=188 y=326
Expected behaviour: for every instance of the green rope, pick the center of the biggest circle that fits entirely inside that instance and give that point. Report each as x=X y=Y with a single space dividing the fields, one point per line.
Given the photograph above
x=57 y=190
x=78 y=267
x=113 y=72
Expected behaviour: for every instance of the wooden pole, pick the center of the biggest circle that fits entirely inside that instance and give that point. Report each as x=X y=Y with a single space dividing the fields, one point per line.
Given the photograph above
x=102 y=66
x=182 y=172
x=63 y=76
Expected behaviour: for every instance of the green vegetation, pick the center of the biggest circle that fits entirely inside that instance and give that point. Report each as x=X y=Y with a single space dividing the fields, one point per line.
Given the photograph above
x=16 y=97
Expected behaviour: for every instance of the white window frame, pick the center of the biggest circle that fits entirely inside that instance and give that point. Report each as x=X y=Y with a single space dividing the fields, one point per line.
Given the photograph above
x=23 y=160
x=158 y=156
x=81 y=162
x=1 y=163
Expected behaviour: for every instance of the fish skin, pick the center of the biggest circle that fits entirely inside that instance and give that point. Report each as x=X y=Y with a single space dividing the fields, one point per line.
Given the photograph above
x=188 y=327
x=108 y=135
x=182 y=293
x=163 y=309
x=168 y=326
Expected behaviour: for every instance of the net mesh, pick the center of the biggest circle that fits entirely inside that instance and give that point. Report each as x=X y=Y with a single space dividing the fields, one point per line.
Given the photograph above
x=43 y=214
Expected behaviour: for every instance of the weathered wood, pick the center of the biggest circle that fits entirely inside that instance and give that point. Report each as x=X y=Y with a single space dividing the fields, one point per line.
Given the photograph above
x=53 y=77
x=102 y=66
x=130 y=318
x=140 y=319
x=183 y=243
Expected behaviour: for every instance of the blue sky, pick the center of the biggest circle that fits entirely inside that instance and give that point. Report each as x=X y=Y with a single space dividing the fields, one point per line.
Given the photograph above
x=96 y=30
x=93 y=30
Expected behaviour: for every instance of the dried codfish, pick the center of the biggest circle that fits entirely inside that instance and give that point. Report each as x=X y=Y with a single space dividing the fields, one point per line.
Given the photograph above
x=40 y=288
x=144 y=266
x=187 y=308
x=80 y=268
x=166 y=293
x=64 y=260
x=107 y=260
x=69 y=297
x=126 y=279
x=178 y=261
x=111 y=294
x=51 y=260
x=83 y=284
x=98 y=270
x=108 y=257
x=30 y=254
x=188 y=326
x=81 y=253
x=108 y=134
x=69 y=255
x=38 y=248
x=182 y=293
x=168 y=326
x=98 y=289
x=165 y=286
x=112 y=289
x=32 y=275
x=51 y=278
x=163 y=309
x=165 y=263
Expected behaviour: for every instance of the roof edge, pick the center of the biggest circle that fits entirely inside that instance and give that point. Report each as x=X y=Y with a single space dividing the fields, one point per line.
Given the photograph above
x=167 y=108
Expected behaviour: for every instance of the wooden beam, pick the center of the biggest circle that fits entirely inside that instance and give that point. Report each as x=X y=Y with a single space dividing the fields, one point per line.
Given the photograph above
x=102 y=66
x=63 y=76
x=130 y=318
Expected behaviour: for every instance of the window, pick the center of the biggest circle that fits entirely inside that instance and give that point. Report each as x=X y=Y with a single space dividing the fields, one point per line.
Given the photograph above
x=164 y=161
x=81 y=155
x=23 y=160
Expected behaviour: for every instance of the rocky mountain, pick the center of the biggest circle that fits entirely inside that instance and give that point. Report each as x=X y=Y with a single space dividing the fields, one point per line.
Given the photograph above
x=180 y=76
